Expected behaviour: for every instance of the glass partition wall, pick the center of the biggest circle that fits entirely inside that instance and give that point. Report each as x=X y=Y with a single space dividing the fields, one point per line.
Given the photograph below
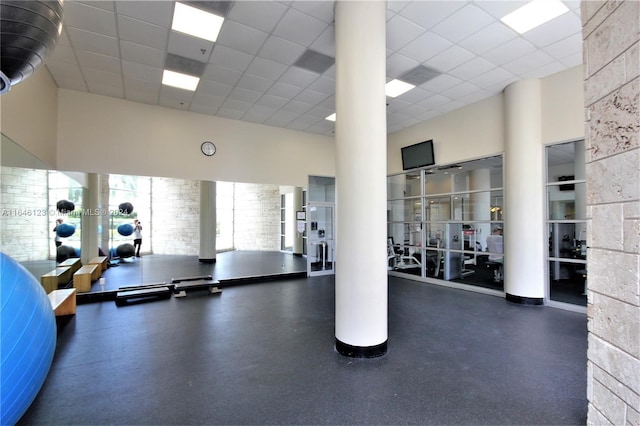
x=439 y=220
x=566 y=223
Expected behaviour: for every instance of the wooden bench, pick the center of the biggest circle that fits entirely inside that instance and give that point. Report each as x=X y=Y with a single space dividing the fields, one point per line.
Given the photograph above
x=103 y=261
x=63 y=302
x=84 y=276
x=74 y=263
x=51 y=280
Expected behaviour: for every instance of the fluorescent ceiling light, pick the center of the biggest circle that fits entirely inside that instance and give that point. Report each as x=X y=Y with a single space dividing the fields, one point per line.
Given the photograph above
x=534 y=14
x=196 y=22
x=332 y=117
x=181 y=81
x=396 y=88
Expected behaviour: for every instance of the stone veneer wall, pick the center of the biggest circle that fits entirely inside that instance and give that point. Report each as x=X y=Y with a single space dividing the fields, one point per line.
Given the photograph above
x=612 y=67
x=24 y=218
x=257 y=217
x=175 y=210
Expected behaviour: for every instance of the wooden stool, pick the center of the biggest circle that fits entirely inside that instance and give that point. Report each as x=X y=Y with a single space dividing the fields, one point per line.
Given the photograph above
x=63 y=302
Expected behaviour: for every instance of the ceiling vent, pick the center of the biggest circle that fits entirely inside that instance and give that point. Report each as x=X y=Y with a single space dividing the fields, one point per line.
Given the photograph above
x=220 y=8
x=419 y=75
x=314 y=61
x=184 y=65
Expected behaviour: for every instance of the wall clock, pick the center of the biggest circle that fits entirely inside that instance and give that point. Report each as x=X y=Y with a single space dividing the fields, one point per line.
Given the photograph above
x=208 y=148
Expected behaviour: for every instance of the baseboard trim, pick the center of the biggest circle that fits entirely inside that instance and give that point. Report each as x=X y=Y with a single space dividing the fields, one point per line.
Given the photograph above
x=361 y=351
x=532 y=301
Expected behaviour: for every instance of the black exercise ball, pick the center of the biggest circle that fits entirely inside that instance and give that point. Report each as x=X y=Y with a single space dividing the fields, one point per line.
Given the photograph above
x=29 y=31
x=126 y=208
x=65 y=252
x=125 y=250
x=65 y=206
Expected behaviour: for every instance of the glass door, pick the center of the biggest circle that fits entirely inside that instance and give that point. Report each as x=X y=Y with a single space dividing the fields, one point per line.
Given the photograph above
x=320 y=239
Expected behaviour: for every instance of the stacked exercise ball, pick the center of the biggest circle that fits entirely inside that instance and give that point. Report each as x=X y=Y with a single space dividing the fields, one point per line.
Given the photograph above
x=28 y=335
x=65 y=230
x=125 y=250
x=125 y=229
x=65 y=206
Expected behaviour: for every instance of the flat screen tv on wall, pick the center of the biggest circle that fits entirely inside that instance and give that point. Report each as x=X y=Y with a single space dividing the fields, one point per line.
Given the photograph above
x=418 y=155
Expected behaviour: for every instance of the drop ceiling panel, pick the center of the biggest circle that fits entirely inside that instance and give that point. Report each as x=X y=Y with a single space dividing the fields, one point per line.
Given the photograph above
x=241 y=37
x=463 y=23
x=319 y=9
x=281 y=50
x=488 y=38
x=250 y=73
x=222 y=75
x=471 y=69
x=90 y=18
x=143 y=33
x=230 y=58
x=262 y=15
x=450 y=58
x=326 y=42
x=401 y=31
x=266 y=68
x=425 y=47
x=141 y=72
x=92 y=42
x=99 y=62
x=427 y=14
x=559 y=28
x=299 y=28
x=214 y=88
x=134 y=52
x=154 y=12
x=253 y=82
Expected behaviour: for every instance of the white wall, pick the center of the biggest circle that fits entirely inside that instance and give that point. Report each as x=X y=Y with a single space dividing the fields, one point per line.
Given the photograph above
x=28 y=115
x=109 y=135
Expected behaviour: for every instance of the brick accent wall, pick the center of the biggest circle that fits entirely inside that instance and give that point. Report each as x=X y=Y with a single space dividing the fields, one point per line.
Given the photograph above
x=175 y=213
x=612 y=96
x=24 y=219
x=257 y=217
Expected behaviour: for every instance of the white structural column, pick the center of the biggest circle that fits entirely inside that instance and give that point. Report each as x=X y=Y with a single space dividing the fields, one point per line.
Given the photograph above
x=524 y=194
x=208 y=221
x=90 y=219
x=361 y=164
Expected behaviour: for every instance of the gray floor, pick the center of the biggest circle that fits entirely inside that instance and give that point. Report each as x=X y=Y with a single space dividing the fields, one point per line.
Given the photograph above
x=263 y=353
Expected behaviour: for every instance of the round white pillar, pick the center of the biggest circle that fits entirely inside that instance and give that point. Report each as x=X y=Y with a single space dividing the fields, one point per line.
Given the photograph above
x=524 y=194
x=361 y=164
x=208 y=220
x=90 y=219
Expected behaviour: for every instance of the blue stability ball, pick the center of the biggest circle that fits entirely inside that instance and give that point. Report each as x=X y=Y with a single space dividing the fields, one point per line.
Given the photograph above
x=125 y=229
x=65 y=230
x=28 y=335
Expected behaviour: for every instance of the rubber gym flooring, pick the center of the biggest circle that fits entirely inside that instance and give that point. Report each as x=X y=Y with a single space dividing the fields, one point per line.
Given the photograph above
x=263 y=353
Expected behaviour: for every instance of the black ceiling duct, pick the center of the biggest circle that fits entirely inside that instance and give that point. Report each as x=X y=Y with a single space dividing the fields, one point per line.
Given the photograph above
x=29 y=31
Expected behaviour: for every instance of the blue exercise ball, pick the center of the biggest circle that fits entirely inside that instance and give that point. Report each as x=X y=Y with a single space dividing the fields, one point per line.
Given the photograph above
x=65 y=230
x=28 y=335
x=125 y=229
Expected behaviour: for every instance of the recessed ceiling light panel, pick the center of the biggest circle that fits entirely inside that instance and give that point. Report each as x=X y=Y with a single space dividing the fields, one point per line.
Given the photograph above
x=534 y=14
x=181 y=81
x=396 y=88
x=196 y=22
